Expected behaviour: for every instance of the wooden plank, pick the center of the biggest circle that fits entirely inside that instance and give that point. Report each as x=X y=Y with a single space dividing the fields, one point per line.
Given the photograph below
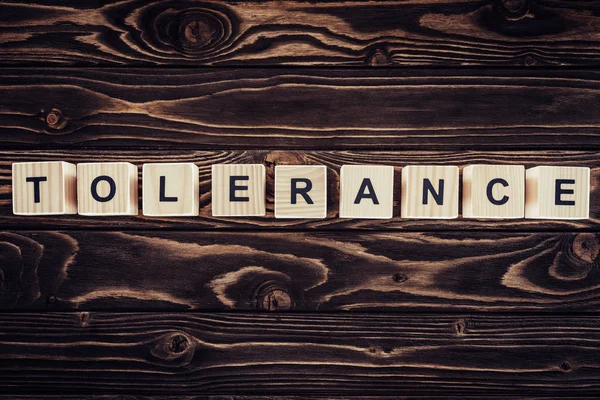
x=315 y=271
x=299 y=108
x=336 y=354
x=344 y=33
x=280 y=397
x=332 y=159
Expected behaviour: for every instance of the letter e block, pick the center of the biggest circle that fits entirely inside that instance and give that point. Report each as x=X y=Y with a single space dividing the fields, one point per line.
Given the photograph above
x=300 y=191
x=557 y=193
x=430 y=192
x=170 y=189
x=366 y=191
x=107 y=188
x=494 y=191
x=44 y=188
x=238 y=190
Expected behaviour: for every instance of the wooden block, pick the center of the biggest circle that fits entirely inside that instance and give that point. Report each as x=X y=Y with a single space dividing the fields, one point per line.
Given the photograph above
x=494 y=191
x=557 y=193
x=44 y=188
x=366 y=191
x=107 y=188
x=170 y=189
x=238 y=190
x=300 y=191
x=430 y=192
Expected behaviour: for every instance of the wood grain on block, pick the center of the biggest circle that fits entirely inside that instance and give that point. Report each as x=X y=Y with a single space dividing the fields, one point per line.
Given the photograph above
x=300 y=191
x=238 y=190
x=493 y=191
x=44 y=188
x=107 y=188
x=430 y=192
x=557 y=192
x=170 y=189
x=366 y=191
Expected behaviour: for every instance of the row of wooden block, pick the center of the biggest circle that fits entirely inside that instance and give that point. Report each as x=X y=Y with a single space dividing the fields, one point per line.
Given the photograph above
x=366 y=191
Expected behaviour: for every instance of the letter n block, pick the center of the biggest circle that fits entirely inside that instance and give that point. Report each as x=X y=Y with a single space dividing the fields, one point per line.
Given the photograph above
x=557 y=193
x=44 y=188
x=300 y=191
x=429 y=192
x=107 y=189
x=170 y=189
x=366 y=191
x=238 y=190
x=494 y=191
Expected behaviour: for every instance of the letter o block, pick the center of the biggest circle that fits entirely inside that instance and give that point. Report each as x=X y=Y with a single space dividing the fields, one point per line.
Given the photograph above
x=300 y=191
x=238 y=190
x=44 y=188
x=107 y=189
x=557 y=193
x=429 y=192
x=170 y=189
x=367 y=191
x=494 y=191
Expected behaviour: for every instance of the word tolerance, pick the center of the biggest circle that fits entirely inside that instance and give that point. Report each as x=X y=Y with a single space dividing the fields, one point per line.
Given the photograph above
x=366 y=191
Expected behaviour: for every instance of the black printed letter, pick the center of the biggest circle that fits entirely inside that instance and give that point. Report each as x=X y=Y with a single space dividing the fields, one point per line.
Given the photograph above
x=490 y=195
x=301 y=191
x=437 y=196
x=36 y=186
x=111 y=183
x=233 y=188
x=366 y=184
x=559 y=191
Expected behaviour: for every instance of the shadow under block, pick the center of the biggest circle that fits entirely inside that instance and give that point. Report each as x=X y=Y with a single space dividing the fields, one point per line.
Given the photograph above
x=300 y=191
x=429 y=192
x=238 y=190
x=366 y=191
x=44 y=188
x=557 y=193
x=107 y=189
x=170 y=189
x=493 y=191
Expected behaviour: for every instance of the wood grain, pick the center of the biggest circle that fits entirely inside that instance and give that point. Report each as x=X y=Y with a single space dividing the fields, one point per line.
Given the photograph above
x=304 y=109
x=337 y=354
x=342 y=33
x=313 y=271
x=332 y=159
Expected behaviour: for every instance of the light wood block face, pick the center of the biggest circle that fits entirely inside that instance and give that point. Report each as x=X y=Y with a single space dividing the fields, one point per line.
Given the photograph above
x=300 y=191
x=430 y=192
x=44 y=188
x=366 y=191
x=494 y=191
x=557 y=193
x=107 y=189
x=170 y=189
x=238 y=190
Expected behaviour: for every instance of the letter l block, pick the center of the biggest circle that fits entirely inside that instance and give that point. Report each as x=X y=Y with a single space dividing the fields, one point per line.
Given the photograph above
x=107 y=189
x=170 y=189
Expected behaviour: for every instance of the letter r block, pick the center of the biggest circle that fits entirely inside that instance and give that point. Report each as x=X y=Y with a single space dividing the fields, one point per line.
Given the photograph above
x=557 y=193
x=107 y=189
x=429 y=192
x=300 y=191
x=44 y=188
x=170 y=189
x=494 y=191
x=238 y=190
x=366 y=191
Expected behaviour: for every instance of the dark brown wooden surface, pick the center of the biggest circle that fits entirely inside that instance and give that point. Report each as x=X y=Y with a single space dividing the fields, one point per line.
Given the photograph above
x=340 y=33
x=325 y=109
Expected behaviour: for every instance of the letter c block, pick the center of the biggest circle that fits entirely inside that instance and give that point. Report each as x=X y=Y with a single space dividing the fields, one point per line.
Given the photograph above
x=107 y=189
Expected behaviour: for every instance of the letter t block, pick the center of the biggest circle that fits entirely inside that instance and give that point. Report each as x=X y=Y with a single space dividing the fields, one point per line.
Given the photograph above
x=107 y=189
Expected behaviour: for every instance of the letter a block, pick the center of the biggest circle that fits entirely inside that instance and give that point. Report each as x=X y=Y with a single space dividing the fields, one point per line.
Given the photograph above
x=430 y=192
x=107 y=189
x=170 y=189
x=494 y=191
x=44 y=188
x=557 y=193
x=238 y=190
x=300 y=191
x=366 y=191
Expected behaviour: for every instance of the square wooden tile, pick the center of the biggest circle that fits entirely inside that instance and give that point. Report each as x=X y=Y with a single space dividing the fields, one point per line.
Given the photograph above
x=44 y=188
x=366 y=191
x=494 y=191
x=170 y=189
x=238 y=190
x=429 y=192
x=300 y=191
x=557 y=193
x=107 y=188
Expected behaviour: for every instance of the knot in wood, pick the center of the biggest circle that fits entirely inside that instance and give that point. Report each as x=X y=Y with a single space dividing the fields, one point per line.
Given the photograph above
x=178 y=344
x=399 y=278
x=585 y=247
x=460 y=327
x=514 y=10
x=175 y=349
x=55 y=119
x=198 y=31
x=566 y=366
x=379 y=58
x=51 y=299
x=273 y=296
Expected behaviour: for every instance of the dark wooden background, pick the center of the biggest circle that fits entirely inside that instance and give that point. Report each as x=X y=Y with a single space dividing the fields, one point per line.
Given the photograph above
x=212 y=308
